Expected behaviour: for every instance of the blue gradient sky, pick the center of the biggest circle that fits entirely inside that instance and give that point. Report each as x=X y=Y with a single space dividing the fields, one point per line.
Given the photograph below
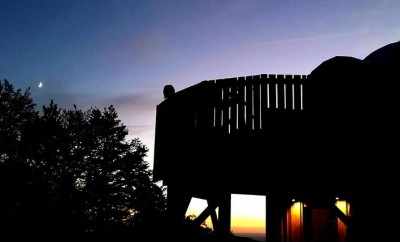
x=98 y=52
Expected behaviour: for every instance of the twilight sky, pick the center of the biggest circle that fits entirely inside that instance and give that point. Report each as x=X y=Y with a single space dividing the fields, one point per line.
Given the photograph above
x=98 y=52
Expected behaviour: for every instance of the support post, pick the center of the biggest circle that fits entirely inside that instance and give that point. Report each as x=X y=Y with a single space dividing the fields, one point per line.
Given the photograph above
x=177 y=204
x=224 y=227
x=275 y=211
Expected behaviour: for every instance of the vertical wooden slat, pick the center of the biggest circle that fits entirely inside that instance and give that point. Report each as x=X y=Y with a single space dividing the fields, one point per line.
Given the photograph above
x=281 y=96
x=228 y=104
x=289 y=95
x=241 y=103
x=297 y=96
x=234 y=106
x=272 y=93
x=256 y=104
x=218 y=106
x=204 y=101
x=249 y=103
x=225 y=105
x=303 y=81
x=213 y=99
x=264 y=100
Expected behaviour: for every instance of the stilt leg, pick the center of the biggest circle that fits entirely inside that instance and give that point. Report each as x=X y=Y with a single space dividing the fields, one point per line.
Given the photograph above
x=275 y=212
x=224 y=215
x=177 y=202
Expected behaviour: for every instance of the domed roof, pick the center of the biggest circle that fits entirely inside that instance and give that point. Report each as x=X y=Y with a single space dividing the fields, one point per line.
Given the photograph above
x=387 y=55
x=337 y=65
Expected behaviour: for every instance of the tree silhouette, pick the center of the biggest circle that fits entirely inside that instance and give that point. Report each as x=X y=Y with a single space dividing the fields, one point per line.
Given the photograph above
x=71 y=170
x=16 y=116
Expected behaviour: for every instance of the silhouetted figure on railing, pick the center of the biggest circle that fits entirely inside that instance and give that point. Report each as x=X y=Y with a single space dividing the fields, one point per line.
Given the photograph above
x=168 y=91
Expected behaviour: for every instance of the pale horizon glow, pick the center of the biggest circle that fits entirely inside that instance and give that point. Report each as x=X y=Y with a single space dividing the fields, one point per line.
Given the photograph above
x=197 y=206
x=248 y=215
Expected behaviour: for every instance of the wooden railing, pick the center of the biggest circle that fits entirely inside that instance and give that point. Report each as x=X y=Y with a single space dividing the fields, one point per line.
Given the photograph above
x=241 y=104
x=244 y=103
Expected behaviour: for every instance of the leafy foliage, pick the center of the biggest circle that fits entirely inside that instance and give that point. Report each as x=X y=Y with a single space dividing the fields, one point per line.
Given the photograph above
x=71 y=169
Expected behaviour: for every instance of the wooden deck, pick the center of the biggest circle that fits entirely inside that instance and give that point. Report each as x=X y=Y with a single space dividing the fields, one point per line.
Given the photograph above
x=244 y=130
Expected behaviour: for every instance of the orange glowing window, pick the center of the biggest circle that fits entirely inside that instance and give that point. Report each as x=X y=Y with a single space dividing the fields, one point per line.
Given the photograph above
x=294 y=222
x=343 y=206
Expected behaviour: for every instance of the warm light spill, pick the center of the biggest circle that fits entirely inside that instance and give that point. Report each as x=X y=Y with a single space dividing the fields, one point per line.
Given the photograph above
x=294 y=218
x=248 y=213
x=343 y=206
x=296 y=210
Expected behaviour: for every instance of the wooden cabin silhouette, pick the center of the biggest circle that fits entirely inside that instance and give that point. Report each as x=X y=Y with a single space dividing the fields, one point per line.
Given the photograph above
x=268 y=134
